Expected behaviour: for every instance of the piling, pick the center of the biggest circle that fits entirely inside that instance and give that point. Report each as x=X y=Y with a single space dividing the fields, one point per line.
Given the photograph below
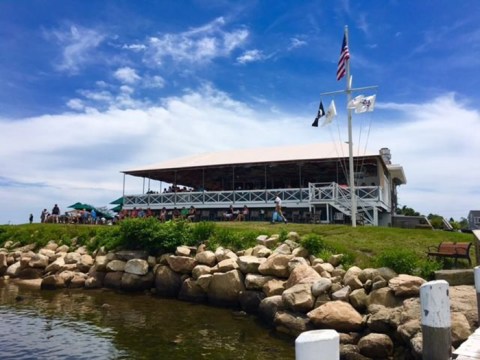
x=436 y=320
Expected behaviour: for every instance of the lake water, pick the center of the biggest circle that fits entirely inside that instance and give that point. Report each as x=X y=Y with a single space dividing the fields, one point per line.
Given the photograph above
x=103 y=324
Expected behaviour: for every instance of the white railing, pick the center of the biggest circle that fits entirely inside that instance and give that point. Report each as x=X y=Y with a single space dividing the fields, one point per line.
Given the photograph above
x=218 y=198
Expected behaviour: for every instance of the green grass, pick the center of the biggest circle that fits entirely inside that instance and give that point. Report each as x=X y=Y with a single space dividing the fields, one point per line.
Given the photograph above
x=363 y=245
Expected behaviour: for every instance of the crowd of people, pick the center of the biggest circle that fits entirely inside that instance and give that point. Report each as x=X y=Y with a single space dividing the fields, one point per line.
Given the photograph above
x=84 y=216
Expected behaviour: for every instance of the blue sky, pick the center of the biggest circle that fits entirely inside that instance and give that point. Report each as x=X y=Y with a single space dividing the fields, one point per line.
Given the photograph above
x=91 y=88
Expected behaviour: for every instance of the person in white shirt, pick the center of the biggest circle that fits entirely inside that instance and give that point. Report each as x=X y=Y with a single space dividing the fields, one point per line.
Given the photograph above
x=277 y=214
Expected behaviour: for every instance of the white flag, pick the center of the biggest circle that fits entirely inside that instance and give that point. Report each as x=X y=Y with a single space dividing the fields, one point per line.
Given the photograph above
x=331 y=113
x=367 y=104
x=355 y=102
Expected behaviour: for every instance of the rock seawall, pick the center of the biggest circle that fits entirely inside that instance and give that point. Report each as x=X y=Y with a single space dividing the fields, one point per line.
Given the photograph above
x=376 y=311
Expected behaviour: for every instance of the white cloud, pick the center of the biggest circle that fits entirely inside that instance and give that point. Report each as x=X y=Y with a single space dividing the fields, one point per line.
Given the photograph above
x=197 y=45
x=76 y=104
x=78 y=45
x=127 y=75
x=135 y=47
x=250 y=56
x=154 y=82
x=78 y=157
x=296 y=43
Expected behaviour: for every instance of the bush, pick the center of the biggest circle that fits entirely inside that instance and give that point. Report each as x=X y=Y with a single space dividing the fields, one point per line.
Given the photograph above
x=314 y=244
x=201 y=232
x=400 y=260
x=233 y=240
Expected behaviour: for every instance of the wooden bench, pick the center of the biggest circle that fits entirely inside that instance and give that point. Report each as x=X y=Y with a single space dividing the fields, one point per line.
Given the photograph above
x=454 y=250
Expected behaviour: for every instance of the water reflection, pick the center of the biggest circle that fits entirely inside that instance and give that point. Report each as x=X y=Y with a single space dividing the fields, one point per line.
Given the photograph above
x=101 y=324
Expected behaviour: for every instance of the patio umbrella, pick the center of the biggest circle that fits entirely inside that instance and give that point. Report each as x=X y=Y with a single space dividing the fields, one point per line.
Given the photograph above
x=75 y=206
x=119 y=201
x=82 y=206
x=117 y=208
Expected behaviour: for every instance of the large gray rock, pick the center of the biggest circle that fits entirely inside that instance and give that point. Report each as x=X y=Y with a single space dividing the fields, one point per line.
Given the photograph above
x=269 y=306
x=55 y=266
x=206 y=258
x=456 y=277
x=249 y=264
x=113 y=279
x=72 y=258
x=256 y=281
x=302 y=274
x=250 y=300
x=276 y=265
x=85 y=263
x=135 y=282
x=299 y=298
x=225 y=287
x=116 y=265
x=321 y=286
x=191 y=291
x=3 y=263
x=291 y=323
x=126 y=255
x=136 y=267
x=377 y=346
x=337 y=315
x=167 y=281
x=38 y=261
x=181 y=264
x=406 y=285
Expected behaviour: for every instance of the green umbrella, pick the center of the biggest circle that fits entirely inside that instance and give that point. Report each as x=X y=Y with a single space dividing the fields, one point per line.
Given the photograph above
x=117 y=208
x=75 y=206
x=81 y=206
x=119 y=201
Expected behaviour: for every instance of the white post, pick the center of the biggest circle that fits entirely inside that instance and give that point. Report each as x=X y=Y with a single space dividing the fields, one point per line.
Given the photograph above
x=436 y=320
x=317 y=344
x=348 y=90
x=476 y=272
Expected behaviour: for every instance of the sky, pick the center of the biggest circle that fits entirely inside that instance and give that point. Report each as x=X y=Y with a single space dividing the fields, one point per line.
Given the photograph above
x=92 y=88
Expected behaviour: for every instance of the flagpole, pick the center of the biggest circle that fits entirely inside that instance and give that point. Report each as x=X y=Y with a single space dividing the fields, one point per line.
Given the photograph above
x=350 y=142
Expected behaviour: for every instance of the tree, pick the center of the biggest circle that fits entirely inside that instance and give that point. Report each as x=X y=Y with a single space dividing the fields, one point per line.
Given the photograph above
x=407 y=211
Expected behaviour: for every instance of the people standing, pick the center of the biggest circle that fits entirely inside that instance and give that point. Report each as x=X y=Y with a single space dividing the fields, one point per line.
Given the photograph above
x=55 y=213
x=43 y=215
x=277 y=214
x=30 y=218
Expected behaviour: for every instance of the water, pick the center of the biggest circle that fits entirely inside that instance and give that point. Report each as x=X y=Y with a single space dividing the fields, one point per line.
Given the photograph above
x=102 y=324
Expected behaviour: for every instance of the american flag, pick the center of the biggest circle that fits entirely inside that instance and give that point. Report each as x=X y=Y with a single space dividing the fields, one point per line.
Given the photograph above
x=342 y=62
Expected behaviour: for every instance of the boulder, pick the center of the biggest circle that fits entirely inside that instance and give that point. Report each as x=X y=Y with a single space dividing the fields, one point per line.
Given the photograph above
x=3 y=263
x=351 y=278
x=116 y=265
x=406 y=285
x=38 y=261
x=291 y=323
x=85 y=263
x=206 y=258
x=136 y=282
x=167 y=281
x=72 y=258
x=225 y=265
x=204 y=281
x=181 y=264
x=200 y=270
x=191 y=291
x=377 y=346
x=183 y=251
x=250 y=300
x=321 y=286
x=342 y=294
x=296 y=261
x=384 y=296
x=55 y=266
x=249 y=264
x=113 y=279
x=302 y=274
x=274 y=287
x=136 y=267
x=269 y=306
x=14 y=269
x=299 y=298
x=337 y=315
x=276 y=265
x=126 y=255
x=256 y=281
x=101 y=263
x=225 y=287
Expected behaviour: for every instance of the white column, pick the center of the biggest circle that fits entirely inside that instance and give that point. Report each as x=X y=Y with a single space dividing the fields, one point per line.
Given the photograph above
x=436 y=320
x=317 y=344
x=476 y=272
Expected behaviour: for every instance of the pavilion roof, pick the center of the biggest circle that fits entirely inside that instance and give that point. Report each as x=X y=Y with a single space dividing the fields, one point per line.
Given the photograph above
x=254 y=156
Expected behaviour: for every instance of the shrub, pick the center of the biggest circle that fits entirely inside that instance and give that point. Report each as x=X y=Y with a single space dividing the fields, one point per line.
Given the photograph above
x=401 y=261
x=314 y=244
x=201 y=232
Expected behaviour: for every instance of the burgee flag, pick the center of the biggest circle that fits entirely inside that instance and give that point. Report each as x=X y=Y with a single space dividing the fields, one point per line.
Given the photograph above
x=355 y=102
x=342 y=62
x=366 y=104
x=321 y=112
x=331 y=113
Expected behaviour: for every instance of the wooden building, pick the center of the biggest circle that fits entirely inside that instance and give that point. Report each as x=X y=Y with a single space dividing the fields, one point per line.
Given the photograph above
x=311 y=180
